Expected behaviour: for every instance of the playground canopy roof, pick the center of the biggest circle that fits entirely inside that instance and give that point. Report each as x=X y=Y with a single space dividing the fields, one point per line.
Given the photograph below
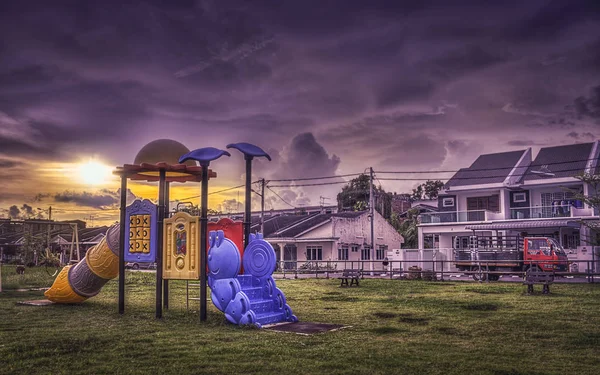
x=174 y=172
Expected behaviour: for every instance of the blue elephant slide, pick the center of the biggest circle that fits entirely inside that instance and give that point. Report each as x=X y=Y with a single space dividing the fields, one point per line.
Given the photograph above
x=251 y=298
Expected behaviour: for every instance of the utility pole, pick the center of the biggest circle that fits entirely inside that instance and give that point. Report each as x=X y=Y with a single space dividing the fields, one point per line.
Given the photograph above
x=262 y=206
x=372 y=216
x=48 y=228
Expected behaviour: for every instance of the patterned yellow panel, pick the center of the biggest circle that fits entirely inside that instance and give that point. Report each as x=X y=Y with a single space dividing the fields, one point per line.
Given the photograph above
x=146 y=222
x=132 y=233
x=145 y=234
x=146 y=246
x=181 y=247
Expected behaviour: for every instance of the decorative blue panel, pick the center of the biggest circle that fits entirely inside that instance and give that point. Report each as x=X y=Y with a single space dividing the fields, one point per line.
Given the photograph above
x=141 y=231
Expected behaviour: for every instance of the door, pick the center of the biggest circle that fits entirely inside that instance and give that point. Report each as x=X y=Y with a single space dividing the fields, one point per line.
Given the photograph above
x=290 y=255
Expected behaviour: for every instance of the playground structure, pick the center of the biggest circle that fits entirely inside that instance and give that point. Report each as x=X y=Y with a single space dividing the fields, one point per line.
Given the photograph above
x=179 y=244
x=251 y=298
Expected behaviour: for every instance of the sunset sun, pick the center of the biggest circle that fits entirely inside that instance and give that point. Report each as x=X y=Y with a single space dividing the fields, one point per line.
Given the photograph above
x=93 y=172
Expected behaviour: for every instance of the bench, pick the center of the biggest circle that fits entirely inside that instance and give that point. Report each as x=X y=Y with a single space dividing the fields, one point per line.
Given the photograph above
x=351 y=274
x=534 y=276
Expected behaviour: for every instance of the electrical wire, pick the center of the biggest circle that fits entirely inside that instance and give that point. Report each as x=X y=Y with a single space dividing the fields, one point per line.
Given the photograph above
x=315 y=184
x=316 y=178
x=279 y=196
x=488 y=169
x=215 y=192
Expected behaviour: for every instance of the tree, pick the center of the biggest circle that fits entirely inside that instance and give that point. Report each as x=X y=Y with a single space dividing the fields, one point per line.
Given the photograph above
x=593 y=200
x=428 y=190
x=409 y=231
x=355 y=197
x=31 y=248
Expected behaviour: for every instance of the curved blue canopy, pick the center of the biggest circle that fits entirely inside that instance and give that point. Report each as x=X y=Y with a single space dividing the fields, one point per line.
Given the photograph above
x=249 y=149
x=204 y=155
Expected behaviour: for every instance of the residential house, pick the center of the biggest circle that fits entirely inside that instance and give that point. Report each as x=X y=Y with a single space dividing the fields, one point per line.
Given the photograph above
x=334 y=239
x=510 y=193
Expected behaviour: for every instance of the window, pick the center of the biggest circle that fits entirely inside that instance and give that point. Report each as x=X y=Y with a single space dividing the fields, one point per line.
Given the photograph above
x=355 y=248
x=431 y=241
x=520 y=197
x=365 y=254
x=380 y=253
x=571 y=241
x=552 y=203
x=491 y=203
x=343 y=253
x=448 y=202
x=314 y=253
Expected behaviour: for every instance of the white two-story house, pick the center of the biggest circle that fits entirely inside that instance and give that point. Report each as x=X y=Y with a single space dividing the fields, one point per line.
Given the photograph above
x=510 y=193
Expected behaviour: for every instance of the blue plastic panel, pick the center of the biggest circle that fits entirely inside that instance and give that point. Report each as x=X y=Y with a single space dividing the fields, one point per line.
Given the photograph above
x=252 y=298
x=141 y=231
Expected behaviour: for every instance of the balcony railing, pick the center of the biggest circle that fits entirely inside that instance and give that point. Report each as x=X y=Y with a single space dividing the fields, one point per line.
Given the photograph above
x=454 y=217
x=541 y=212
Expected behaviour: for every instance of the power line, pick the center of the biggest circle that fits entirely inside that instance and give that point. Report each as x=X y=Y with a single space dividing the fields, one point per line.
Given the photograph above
x=214 y=192
x=315 y=184
x=279 y=196
x=472 y=178
x=417 y=179
x=508 y=168
x=317 y=178
x=489 y=169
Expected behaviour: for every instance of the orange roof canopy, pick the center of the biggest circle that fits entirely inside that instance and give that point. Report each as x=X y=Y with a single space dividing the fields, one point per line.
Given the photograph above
x=174 y=172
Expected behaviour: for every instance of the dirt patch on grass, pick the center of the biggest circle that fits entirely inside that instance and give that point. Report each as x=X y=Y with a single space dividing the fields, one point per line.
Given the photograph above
x=339 y=299
x=481 y=307
x=414 y=320
x=486 y=291
x=451 y=331
x=330 y=308
x=386 y=330
x=384 y=315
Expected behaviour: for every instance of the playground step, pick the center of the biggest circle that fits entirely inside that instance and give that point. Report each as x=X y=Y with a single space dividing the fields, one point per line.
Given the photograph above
x=245 y=280
x=261 y=306
x=253 y=293
x=270 y=318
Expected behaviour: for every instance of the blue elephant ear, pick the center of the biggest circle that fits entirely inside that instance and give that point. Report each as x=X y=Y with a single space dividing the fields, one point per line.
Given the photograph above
x=204 y=155
x=211 y=238
x=220 y=237
x=249 y=149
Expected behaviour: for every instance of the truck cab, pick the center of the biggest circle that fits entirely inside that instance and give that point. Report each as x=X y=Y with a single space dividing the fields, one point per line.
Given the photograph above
x=544 y=253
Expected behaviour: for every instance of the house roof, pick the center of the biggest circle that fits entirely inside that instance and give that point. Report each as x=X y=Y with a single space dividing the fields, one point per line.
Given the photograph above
x=487 y=169
x=422 y=207
x=279 y=222
x=559 y=161
x=303 y=226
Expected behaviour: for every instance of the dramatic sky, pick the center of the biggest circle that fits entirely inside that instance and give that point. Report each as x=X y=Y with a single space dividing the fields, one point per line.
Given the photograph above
x=327 y=87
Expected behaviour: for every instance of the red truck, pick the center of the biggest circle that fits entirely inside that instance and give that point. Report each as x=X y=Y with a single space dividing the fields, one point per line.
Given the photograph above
x=509 y=254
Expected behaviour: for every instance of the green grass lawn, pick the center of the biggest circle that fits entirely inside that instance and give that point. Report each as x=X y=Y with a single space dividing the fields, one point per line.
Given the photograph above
x=411 y=327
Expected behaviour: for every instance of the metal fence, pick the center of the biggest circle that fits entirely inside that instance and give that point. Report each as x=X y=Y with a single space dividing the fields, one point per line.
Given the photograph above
x=433 y=269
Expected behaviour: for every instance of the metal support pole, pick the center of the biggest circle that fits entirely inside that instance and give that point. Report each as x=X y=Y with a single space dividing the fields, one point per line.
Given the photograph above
x=122 y=244
x=203 y=237
x=248 y=203
x=159 y=255
x=166 y=282
x=372 y=214
x=262 y=206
